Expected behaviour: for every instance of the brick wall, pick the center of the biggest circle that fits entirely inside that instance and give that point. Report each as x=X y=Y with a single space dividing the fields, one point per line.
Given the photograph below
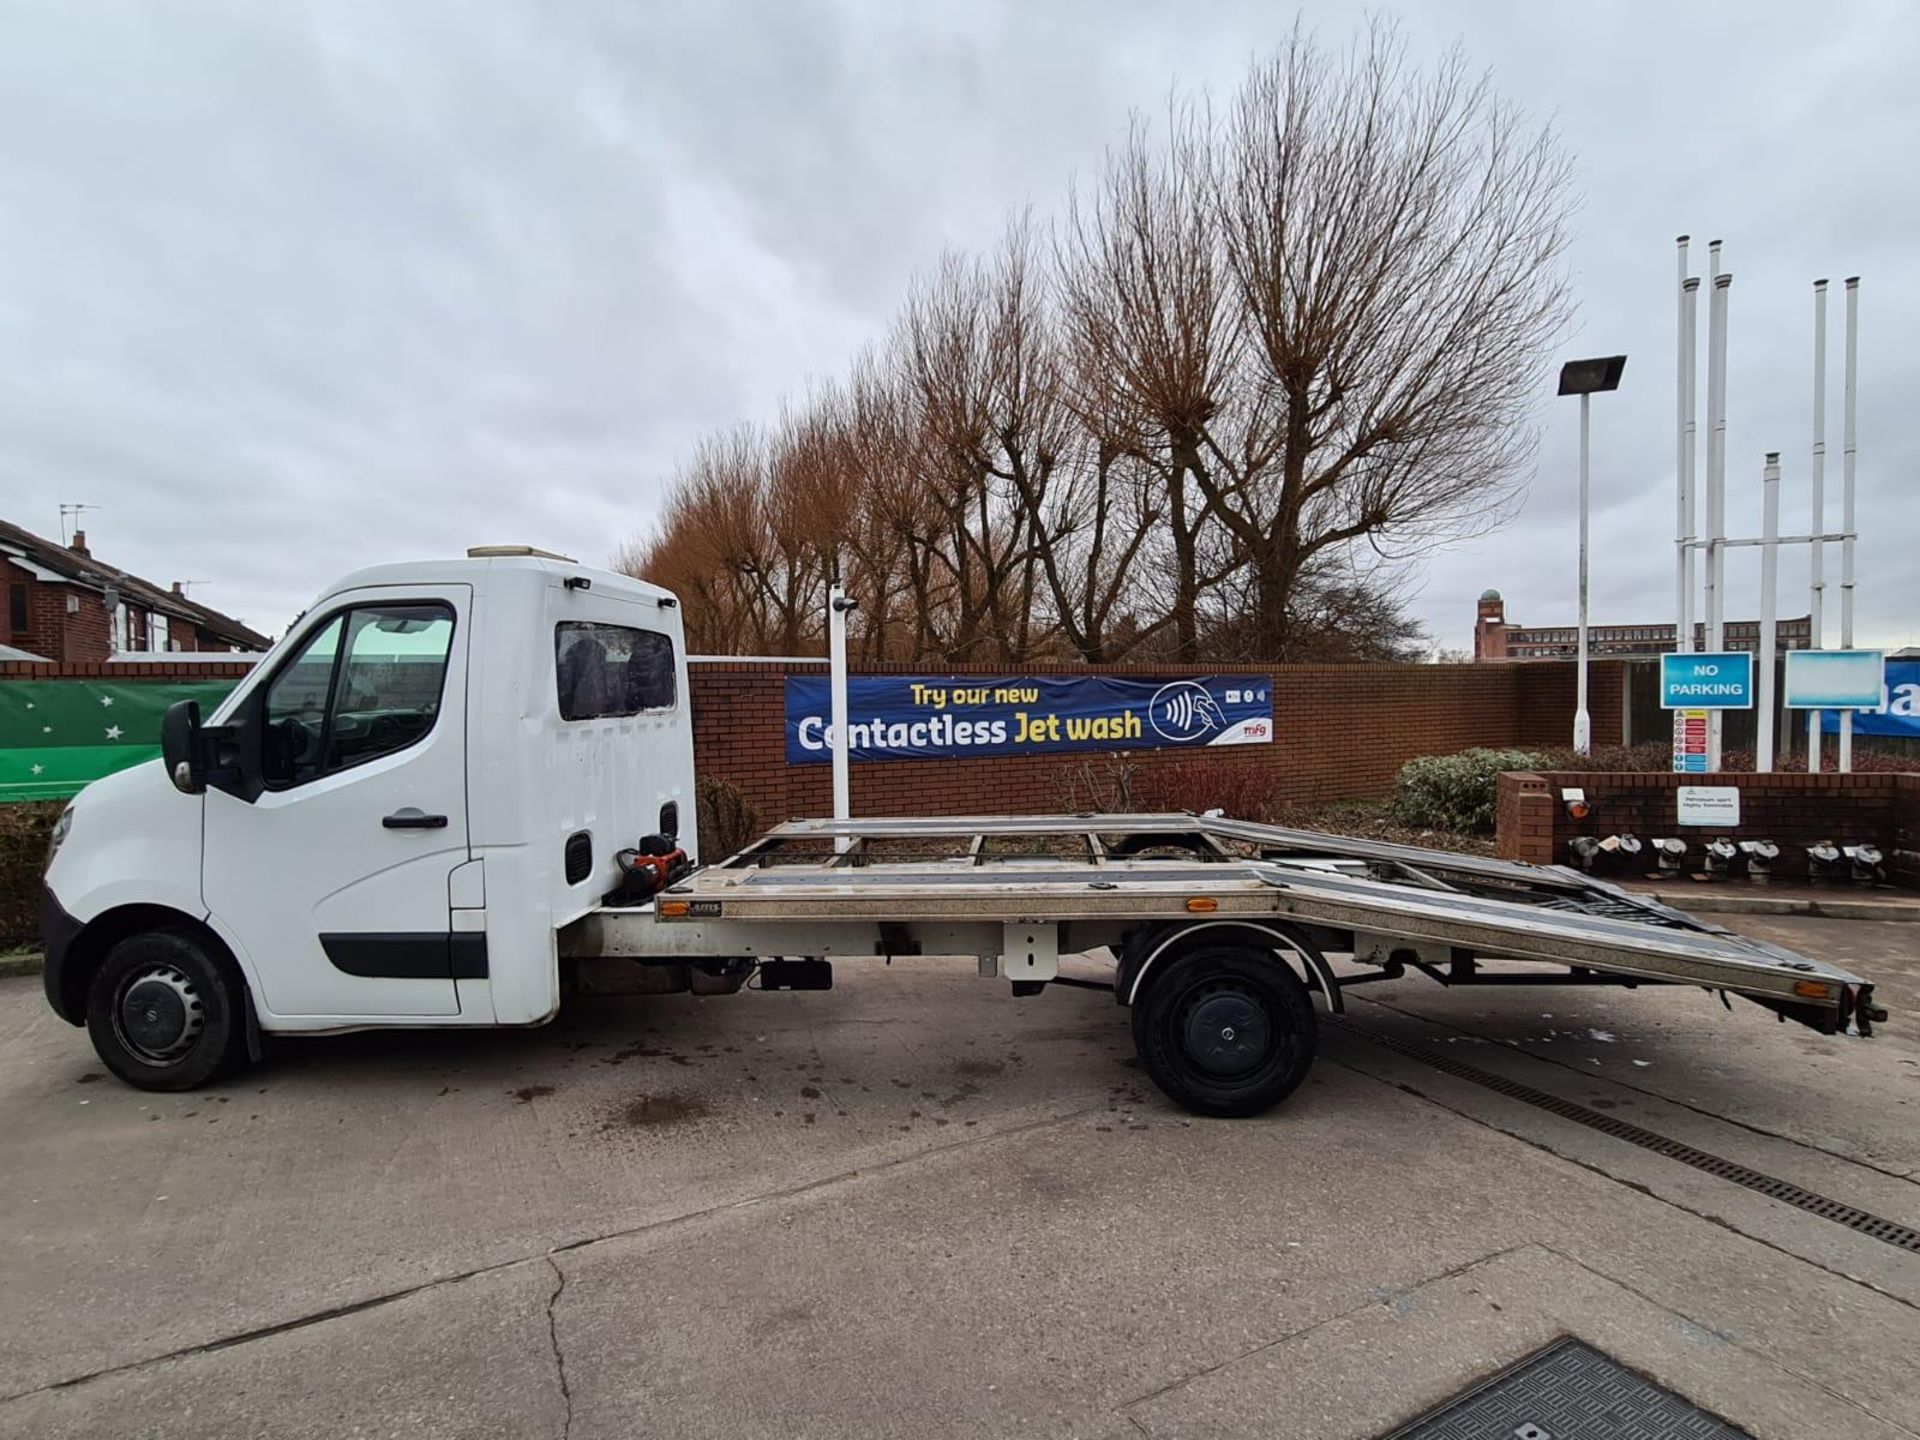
x=1794 y=810
x=52 y=631
x=159 y=668
x=46 y=625
x=1341 y=731
x=1545 y=696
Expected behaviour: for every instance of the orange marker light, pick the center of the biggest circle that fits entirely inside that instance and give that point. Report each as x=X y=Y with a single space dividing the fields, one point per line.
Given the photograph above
x=673 y=908
x=1203 y=904
x=1812 y=989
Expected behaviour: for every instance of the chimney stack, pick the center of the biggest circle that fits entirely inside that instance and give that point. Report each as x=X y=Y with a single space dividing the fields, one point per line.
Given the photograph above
x=178 y=591
x=79 y=545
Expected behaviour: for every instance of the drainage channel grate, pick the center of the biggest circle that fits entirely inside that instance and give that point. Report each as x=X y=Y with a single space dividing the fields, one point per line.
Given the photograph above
x=1568 y=1391
x=1900 y=1236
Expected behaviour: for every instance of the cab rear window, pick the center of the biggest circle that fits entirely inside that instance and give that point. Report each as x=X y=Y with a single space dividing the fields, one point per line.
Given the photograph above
x=602 y=670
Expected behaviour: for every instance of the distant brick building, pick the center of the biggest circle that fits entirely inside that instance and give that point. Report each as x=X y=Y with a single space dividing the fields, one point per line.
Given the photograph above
x=66 y=606
x=1494 y=639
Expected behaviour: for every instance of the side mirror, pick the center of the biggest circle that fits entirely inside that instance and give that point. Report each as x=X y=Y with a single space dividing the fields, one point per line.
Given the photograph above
x=180 y=749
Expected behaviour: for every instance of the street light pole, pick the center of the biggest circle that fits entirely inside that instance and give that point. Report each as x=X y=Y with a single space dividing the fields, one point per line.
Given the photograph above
x=1585 y=378
x=1582 y=721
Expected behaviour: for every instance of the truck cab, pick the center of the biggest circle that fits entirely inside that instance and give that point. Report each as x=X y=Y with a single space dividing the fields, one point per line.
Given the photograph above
x=386 y=823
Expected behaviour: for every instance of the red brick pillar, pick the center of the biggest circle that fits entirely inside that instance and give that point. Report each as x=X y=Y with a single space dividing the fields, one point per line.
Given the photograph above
x=1523 y=824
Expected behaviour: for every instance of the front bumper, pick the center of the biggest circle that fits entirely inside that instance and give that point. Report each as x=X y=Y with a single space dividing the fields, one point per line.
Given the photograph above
x=58 y=931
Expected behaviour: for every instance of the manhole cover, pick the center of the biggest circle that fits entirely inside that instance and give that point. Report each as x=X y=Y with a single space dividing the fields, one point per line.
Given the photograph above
x=1569 y=1391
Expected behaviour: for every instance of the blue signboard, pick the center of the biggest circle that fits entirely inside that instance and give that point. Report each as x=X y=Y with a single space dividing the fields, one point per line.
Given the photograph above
x=1898 y=712
x=922 y=717
x=1707 y=681
x=1834 y=679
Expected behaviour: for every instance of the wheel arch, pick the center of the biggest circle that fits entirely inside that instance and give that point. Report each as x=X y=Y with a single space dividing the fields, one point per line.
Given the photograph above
x=88 y=951
x=1149 y=950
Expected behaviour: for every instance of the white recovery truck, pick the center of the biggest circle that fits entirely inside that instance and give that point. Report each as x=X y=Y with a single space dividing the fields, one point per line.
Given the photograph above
x=457 y=791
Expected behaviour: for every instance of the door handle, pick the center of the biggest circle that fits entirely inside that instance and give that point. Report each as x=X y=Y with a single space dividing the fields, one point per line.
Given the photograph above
x=412 y=819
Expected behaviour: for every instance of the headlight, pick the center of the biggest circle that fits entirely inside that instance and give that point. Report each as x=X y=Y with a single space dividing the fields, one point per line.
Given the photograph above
x=61 y=827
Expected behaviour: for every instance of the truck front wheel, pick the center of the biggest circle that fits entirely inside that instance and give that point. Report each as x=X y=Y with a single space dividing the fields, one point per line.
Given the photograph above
x=164 y=1014
x=1225 y=1031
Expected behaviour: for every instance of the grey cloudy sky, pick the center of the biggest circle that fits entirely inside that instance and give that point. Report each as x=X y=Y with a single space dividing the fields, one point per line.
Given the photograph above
x=289 y=288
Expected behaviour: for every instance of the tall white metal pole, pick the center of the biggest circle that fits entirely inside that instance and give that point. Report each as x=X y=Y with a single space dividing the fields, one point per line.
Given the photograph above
x=1769 y=601
x=1716 y=482
x=837 y=607
x=1683 y=507
x=1688 y=467
x=1817 y=585
x=1713 y=350
x=1582 y=722
x=1849 y=438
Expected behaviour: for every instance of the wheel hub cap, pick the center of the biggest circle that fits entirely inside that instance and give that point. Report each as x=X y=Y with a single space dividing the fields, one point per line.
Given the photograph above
x=1227 y=1034
x=160 y=1013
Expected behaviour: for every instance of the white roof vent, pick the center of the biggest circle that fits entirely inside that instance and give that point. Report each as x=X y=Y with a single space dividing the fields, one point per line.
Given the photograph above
x=489 y=552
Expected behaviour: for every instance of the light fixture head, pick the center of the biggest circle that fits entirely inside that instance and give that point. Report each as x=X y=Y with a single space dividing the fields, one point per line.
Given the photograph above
x=1591 y=377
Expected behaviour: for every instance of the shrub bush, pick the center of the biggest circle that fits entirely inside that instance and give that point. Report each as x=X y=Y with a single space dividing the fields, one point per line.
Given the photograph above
x=1456 y=792
x=1095 y=784
x=1242 y=788
x=1654 y=755
x=728 y=821
x=24 y=830
x=1613 y=759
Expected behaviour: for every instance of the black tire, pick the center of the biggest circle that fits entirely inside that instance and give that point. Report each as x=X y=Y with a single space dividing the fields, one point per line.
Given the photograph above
x=1225 y=1030
x=165 y=1014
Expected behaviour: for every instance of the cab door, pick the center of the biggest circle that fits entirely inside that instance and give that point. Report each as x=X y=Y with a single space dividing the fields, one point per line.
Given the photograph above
x=330 y=864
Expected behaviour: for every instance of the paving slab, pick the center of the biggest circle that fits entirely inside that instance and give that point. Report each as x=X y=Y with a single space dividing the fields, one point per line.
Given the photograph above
x=1418 y=1349
x=1832 y=1246
x=1855 y=1099
x=465 y=1361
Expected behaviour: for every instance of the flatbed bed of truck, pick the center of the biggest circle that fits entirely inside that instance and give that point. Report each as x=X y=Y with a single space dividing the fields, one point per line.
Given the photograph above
x=1016 y=892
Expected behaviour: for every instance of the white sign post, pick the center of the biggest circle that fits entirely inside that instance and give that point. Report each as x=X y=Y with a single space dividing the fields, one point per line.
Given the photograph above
x=837 y=607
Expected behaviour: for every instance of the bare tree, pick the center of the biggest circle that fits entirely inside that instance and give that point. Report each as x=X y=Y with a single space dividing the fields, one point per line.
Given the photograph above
x=1339 y=612
x=1146 y=291
x=710 y=544
x=983 y=375
x=1394 y=241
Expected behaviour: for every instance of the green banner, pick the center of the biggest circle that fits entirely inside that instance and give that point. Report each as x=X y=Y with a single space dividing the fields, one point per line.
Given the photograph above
x=57 y=735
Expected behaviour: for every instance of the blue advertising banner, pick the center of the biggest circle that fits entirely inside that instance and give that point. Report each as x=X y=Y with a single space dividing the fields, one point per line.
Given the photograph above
x=922 y=717
x=1898 y=712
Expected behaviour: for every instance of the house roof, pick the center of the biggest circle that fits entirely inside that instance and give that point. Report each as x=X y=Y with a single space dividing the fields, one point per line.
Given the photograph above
x=62 y=564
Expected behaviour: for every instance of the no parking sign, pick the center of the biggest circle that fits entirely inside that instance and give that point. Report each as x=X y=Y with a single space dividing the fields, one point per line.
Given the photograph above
x=1709 y=680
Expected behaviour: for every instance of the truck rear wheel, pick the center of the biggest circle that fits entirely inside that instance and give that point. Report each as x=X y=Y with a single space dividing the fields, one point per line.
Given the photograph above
x=1225 y=1030
x=164 y=1014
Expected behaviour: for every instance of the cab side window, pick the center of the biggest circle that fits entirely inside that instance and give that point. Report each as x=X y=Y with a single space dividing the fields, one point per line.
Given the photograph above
x=603 y=670
x=295 y=713
x=366 y=684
